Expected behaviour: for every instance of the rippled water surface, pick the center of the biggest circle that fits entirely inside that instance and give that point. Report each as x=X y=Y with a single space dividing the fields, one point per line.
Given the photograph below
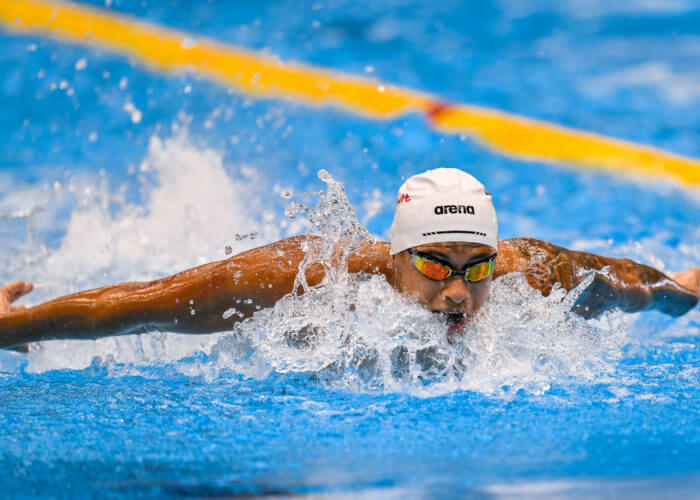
x=110 y=171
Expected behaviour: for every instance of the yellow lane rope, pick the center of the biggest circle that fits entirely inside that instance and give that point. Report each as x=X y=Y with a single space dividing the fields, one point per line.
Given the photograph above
x=263 y=75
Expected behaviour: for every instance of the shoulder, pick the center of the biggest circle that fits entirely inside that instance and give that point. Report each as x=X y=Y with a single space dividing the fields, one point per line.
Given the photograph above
x=518 y=255
x=542 y=262
x=527 y=255
x=528 y=246
x=372 y=257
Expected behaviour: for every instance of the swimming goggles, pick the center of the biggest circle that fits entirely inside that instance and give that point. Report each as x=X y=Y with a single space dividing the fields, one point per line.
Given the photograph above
x=440 y=271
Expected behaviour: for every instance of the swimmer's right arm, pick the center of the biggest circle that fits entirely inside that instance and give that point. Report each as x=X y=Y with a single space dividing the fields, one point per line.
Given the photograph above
x=193 y=301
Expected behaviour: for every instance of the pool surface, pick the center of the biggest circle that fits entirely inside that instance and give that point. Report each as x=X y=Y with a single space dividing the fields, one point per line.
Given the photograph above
x=112 y=171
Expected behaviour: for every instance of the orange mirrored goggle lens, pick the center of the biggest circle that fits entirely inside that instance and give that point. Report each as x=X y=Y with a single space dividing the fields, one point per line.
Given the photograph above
x=432 y=270
x=437 y=271
x=479 y=271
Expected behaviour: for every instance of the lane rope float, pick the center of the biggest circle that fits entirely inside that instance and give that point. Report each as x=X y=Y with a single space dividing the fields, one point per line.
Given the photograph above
x=263 y=75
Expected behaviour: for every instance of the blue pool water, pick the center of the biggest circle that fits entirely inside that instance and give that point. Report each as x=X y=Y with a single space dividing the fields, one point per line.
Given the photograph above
x=110 y=171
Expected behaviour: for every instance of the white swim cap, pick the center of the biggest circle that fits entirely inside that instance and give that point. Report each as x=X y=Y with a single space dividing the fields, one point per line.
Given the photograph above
x=440 y=205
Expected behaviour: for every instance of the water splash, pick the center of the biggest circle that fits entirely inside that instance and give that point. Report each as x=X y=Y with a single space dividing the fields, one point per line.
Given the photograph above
x=338 y=232
x=354 y=332
x=192 y=205
x=367 y=336
x=358 y=333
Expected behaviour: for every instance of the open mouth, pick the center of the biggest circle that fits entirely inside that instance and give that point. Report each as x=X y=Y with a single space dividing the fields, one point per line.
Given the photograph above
x=455 y=320
x=455 y=317
x=450 y=316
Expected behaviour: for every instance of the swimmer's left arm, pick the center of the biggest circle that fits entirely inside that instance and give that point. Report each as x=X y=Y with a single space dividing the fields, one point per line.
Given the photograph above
x=628 y=286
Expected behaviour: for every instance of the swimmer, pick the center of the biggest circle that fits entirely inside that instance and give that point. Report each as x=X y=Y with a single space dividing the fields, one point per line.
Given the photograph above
x=444 y=252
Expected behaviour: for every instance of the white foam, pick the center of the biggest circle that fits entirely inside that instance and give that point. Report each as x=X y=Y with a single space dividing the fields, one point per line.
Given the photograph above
x=354 y=332
x=193 y=206
x=359 y=333
x=369 y=337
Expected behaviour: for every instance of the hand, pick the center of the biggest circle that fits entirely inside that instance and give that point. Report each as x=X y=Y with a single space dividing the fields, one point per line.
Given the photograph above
x=689 y=279
x=10 y=293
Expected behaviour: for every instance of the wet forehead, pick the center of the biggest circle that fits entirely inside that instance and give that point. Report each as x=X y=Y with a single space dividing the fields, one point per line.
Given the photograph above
x=457 y=252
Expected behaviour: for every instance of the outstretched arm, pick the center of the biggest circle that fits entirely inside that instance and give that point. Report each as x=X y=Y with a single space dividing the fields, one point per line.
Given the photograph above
x=628 y=286
x=214 y=296
x=206 y=299
x=194 y=300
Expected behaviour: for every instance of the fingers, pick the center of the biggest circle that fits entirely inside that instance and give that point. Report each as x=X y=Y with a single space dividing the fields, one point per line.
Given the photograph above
x=17 y=289
x=10 y=293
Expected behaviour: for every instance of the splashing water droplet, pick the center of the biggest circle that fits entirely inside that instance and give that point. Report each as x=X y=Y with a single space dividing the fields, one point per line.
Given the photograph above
x=357 y=331
x=229 y=312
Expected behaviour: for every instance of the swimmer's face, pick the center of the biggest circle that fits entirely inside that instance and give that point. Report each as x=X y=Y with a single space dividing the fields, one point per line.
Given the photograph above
x=454 y=294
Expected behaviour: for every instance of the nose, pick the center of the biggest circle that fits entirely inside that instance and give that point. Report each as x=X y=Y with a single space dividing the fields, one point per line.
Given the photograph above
x=455 y=292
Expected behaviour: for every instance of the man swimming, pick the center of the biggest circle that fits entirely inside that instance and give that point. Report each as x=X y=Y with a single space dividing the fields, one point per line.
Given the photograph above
x=444 y=251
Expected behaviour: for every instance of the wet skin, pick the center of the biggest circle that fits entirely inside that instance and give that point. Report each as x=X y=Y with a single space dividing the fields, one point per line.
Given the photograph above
x=453 y=295
x=260 y=277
